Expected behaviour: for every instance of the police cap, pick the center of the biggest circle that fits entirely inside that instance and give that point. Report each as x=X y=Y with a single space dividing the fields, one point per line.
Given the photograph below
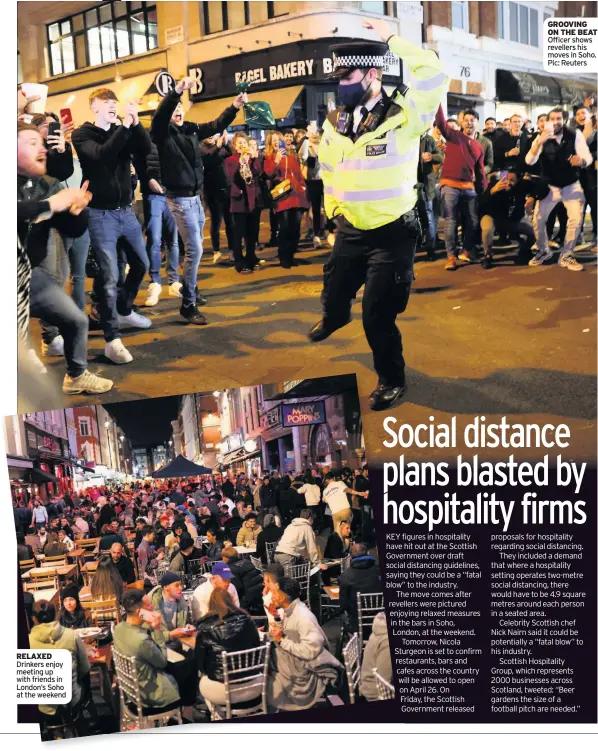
x=348 y=56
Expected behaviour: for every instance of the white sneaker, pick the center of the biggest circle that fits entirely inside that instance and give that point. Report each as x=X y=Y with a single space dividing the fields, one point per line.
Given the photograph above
x=317 y=242
x=153 y=294
x=569 y=262
x=174 y=290
x=134 y=320
x=35 y=363
x=262 y=262
x=540 y=257
x=217 y=256
x=117 y=352
x=86 y=383
x=55 y=348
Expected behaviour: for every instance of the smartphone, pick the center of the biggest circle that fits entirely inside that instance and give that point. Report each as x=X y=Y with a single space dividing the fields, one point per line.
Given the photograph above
x=53 y=128
x=282 y=150
x=503 y=173
x=66 y=115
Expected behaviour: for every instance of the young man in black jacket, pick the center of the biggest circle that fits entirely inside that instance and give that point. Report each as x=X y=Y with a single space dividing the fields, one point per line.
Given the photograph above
x=104 y=150
x=182 y=175
x=158 y=216
x=362 y=577
x=38 y=234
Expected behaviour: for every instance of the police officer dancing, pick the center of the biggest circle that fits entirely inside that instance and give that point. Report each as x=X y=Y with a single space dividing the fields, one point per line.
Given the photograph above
x=368 y=159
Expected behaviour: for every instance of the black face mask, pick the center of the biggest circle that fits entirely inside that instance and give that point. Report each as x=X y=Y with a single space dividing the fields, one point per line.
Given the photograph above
x=352 y=94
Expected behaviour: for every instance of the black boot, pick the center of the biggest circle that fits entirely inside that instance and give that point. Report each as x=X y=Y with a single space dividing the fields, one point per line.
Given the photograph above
x=192 y=314
x=385 y=397
x=323 y=329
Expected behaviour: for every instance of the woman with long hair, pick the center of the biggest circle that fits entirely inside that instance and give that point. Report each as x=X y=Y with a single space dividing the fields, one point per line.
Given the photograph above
x=279 y=166
x=107 y=582
x=242 y=173
x=224 y=628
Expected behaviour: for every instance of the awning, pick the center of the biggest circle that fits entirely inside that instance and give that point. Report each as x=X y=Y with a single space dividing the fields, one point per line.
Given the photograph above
x=40 y=476
x=239 y=455
x=19 y=461
x=281 y=101
x=78 y=101
x=574 y=92
x=318 y=387
x=515 y=86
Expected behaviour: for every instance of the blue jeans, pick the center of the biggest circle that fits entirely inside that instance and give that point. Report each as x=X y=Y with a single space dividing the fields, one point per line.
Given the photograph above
x=105 y=229
x=49 y=302
x=432 y=229
x=190 y=218
x=452 y=199
x=78 y=248
x=159 y=215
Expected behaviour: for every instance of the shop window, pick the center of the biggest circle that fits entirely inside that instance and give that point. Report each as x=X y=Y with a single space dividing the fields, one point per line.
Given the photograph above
x=382 y=9
x=222 y=16
x=460 y=16
x=84 y=429
x=519 y=23
x=100 y=35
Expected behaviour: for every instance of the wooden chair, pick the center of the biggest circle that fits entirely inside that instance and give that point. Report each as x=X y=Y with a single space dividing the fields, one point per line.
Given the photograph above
x=102 y=612
x=133 y=715
x=54 y=560
x=242 y=670
x=40 y=580
x=26 y=565
x=89 y=544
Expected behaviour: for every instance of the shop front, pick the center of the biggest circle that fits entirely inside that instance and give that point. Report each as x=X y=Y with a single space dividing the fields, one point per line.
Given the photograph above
x=292 y=78
x=277 y=440
x=52 y=471
x=18 y=474
x=527 y=94
x=240 y=455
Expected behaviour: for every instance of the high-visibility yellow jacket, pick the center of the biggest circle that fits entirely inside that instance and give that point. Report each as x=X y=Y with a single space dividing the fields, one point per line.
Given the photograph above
x=371 y=181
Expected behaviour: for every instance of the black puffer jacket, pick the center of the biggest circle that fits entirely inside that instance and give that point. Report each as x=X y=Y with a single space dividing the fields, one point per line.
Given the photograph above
x=364 y=577
x=248 y=582
x=235 y=633
x=180 y=155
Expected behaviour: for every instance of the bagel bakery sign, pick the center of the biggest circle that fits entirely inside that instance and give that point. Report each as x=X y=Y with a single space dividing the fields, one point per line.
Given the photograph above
x=284 y=65
x=308 y=413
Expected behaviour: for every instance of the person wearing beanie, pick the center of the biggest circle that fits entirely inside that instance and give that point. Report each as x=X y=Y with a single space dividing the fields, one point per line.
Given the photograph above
x=72 y=614
x=270 y=533
x=186 y=552
x=167 y=599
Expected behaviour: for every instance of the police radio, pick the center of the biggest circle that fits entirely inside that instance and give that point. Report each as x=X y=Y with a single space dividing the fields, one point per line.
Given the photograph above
x=344 y=124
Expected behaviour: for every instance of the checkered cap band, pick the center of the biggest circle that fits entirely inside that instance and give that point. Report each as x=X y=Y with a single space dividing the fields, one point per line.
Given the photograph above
x=358 y=61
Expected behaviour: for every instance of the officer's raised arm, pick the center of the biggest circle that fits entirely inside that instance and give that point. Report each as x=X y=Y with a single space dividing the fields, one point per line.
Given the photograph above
x=426 y=79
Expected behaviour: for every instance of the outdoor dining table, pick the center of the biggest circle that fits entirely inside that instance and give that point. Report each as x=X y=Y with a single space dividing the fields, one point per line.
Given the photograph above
x=61 y=571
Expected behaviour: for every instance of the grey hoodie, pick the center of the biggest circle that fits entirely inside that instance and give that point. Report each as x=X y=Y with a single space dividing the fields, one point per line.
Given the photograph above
x=55 y=636
x=299 y=540
x=376 y=655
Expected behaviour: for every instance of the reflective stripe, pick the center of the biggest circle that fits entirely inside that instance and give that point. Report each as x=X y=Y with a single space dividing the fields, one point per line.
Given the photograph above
x=428 y=84
x=425 y=117
x=372 y=195
x=324 y=166
x=373 y=163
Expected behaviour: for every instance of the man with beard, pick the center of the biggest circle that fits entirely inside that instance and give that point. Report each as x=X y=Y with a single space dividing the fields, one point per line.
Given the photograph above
x=561 y=153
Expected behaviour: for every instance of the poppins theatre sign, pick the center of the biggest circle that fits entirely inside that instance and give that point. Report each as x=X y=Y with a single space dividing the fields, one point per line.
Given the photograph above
x=274 y=67
x=308 y=413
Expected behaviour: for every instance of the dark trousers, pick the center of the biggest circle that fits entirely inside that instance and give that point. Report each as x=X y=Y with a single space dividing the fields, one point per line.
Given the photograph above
x=218 y=203
x=245 y=227
x=315 y=195
x=273 y=224
x=289 y=230
x=382 y=259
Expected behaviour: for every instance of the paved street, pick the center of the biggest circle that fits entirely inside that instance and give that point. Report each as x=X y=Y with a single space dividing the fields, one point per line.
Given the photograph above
x=513 y=340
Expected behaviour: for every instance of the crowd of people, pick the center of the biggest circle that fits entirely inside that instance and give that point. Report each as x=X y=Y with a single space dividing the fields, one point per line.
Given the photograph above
x=77 y=212
x=513 y=180
x=212 y=559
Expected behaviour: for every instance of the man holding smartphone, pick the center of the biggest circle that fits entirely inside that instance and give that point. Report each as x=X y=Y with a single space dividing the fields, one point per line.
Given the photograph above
x=105 y=150
x=60 y=153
